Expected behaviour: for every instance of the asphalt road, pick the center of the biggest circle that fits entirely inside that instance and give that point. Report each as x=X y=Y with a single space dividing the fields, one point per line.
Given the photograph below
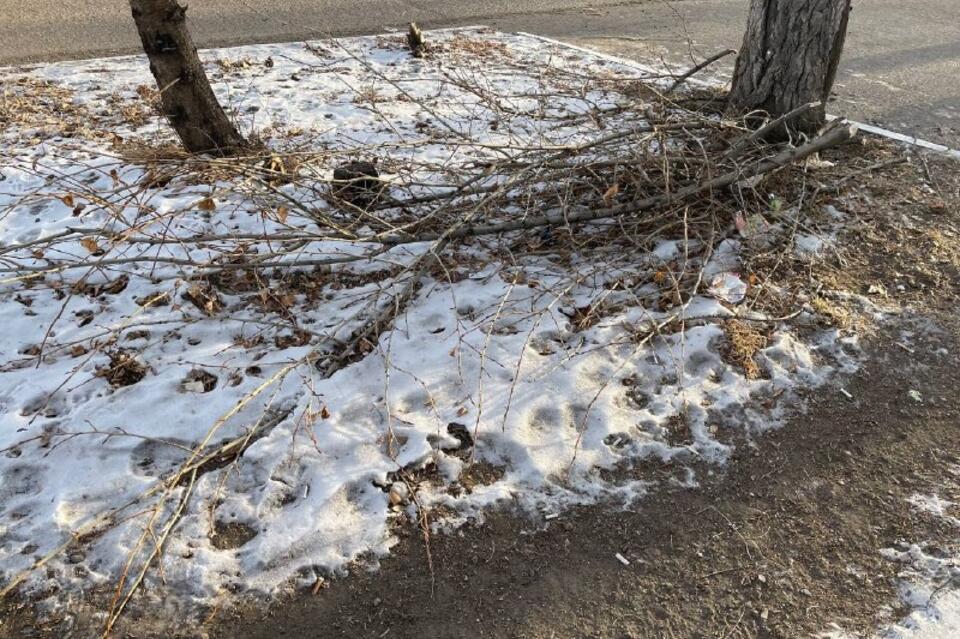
x=33 y=30
x=901 y=67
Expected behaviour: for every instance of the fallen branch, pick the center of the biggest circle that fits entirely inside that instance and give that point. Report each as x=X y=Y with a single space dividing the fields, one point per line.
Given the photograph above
x=696 y=69
x=832 y=137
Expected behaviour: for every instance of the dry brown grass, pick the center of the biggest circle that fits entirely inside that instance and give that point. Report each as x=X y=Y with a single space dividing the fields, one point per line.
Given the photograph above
x=743 y=344
x=833 y=314
x=46 y=109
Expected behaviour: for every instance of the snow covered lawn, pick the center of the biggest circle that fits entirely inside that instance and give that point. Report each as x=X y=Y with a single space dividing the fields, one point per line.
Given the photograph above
x=181 y=372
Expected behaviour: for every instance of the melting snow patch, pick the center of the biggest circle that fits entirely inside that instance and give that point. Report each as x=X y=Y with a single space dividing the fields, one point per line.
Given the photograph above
x=930 y=588
x=809 y=245
x=936 y=506
x=929 y=580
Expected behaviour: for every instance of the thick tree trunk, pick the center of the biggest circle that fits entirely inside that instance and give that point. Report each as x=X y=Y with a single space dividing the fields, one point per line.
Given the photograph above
x=188 y=101
x=789 y=58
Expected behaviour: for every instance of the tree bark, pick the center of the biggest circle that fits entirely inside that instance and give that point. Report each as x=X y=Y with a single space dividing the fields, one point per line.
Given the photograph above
x=789 y=58
x=188 y=101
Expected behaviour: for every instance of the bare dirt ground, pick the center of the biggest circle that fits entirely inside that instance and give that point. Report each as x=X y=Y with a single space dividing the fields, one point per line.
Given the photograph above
x=780 y=544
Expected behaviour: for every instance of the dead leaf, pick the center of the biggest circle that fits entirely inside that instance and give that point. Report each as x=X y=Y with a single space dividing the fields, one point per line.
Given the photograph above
x=276 y=164
x=207 y=204
x=68 y=200
x=611 y=193
x=204 y=298
x=124 y=369
x=292 y=340
x=282 y=214
x=116 y=286
x=90 y=244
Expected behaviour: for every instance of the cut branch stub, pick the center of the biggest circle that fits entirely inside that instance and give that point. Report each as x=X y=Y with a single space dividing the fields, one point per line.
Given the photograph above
x=415 y=41
x=186 y=97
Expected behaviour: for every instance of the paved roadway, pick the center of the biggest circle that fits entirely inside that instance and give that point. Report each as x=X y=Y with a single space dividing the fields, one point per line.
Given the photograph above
x=901 y=68
x=53 y=29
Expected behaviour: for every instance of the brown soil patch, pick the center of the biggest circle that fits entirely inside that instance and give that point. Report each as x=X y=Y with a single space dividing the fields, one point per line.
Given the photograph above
x=230 y=535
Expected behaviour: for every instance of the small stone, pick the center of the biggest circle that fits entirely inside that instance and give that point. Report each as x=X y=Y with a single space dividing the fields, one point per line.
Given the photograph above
x=76 y=557
x=399 y=493
x=357 y=183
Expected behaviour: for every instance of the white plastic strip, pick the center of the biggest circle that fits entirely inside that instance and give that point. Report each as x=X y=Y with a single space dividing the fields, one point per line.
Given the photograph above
x=906 y=139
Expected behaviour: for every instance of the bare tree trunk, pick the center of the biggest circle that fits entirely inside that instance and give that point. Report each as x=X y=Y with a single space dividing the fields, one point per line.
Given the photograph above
x=188 y=101
x=789 y=58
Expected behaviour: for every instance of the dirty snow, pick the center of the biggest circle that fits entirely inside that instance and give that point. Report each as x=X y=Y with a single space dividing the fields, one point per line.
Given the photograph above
x=930 y=583
x=929 y=577
x=548 y=403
